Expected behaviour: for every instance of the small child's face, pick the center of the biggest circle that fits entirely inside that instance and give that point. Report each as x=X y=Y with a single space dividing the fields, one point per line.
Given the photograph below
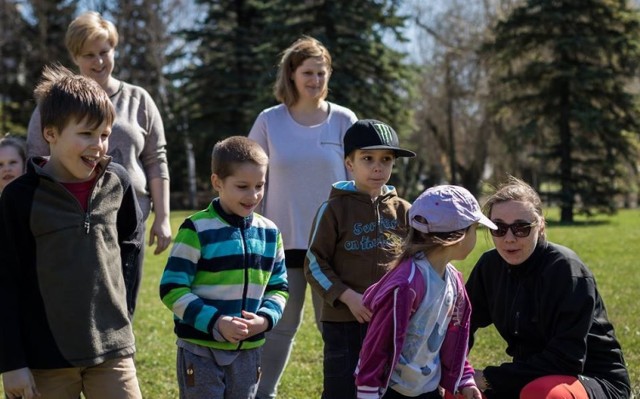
x=11 y=165
x=76 y=151
x=371 y=169
x=241 y=192
x=467 y=244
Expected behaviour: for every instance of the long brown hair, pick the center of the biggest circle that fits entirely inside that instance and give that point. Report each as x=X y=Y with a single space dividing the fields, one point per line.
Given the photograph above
x=417 y=242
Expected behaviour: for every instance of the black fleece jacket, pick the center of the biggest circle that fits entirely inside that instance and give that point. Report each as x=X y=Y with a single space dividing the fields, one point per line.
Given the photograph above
x=549 y=312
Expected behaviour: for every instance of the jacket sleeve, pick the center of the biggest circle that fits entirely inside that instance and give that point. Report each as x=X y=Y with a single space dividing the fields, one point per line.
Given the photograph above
x=384 y=340
x=12 y=355
x=177 y=280
x=318 y=264
x=154 y=153
x=277 y=291
x=130 y=229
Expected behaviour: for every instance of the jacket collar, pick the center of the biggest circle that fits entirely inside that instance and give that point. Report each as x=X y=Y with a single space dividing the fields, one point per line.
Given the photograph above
x=233 y=220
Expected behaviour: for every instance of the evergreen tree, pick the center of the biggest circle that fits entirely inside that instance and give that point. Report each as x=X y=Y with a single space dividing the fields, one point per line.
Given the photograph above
x=31 y=36
x=16 y=90
x=227 y=79
x=370 y=76
x=239 y=43
x=563 y=70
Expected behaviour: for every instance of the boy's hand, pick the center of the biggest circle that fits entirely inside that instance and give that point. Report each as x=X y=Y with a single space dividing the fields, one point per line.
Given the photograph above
x=19 y=384
x=233 y=329
x=354 y=301
x=256 y=324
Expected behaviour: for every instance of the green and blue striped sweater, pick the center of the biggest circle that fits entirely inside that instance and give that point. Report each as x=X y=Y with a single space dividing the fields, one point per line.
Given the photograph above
x=221 y=264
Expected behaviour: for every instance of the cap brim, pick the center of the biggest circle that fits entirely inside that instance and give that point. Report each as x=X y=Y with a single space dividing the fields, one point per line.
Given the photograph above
x=400 y=152
x=487 y=222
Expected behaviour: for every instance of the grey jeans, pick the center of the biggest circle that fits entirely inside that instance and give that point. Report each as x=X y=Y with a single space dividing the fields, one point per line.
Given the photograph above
x=204 y=377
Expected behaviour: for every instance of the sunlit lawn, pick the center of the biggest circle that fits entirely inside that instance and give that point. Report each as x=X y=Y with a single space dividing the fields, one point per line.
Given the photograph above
x=609 y=246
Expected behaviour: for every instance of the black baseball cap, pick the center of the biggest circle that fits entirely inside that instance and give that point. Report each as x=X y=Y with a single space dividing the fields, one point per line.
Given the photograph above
x=370 y=134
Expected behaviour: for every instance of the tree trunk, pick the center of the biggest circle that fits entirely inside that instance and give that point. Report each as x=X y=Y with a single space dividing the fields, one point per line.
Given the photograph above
x=566 y=181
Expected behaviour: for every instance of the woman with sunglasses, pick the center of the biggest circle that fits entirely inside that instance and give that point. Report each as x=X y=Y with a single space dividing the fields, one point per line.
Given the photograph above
x=544 y=302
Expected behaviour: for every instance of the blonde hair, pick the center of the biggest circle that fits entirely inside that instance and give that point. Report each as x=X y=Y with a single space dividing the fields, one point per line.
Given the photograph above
x=89 y=26
x=417 y=242
x=302 y=49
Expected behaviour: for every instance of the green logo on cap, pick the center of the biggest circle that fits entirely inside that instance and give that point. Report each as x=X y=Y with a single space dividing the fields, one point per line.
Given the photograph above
x=384 y=132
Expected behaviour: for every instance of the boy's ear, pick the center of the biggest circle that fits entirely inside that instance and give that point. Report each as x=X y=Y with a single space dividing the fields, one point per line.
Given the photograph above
x=50 y=134
x=216 y=182
x=348 y=162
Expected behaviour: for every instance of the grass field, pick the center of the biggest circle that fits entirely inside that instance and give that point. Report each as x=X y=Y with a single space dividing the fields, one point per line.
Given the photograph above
x=609 y=246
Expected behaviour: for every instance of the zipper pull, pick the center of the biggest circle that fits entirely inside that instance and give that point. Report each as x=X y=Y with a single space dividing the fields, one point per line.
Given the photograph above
x=87 y=225
x=517 y=329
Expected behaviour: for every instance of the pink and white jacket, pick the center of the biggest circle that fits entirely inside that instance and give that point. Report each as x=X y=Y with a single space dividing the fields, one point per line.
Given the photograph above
x=393 y=301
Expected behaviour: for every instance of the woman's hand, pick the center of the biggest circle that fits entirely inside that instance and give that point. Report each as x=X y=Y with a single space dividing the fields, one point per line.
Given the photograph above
x=160 y=231
x=481 y=381
x=161 y=228
x=19 y=384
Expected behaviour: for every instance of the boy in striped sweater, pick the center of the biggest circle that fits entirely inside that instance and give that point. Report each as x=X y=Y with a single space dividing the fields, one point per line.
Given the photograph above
x=225 y=279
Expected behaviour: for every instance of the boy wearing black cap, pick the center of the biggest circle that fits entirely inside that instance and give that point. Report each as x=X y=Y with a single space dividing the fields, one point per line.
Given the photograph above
x=347 y=247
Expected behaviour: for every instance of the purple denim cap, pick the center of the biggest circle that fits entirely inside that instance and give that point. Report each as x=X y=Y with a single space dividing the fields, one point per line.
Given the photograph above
x=447 y=208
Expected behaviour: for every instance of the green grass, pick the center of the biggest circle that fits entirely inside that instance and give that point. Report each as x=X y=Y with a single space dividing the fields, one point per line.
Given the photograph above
x=607 y=245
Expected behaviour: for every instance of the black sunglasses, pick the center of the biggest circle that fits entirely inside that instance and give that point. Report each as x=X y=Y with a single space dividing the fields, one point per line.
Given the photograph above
x=519 y=229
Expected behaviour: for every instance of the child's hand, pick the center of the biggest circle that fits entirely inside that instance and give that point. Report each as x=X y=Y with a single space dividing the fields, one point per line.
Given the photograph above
x=256 y=324
x=233 y=329
x=471 y=392
x=354 y=301
x=19 y=384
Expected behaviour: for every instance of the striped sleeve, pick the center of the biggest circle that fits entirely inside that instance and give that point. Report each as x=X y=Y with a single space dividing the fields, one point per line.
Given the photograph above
x=178 y=277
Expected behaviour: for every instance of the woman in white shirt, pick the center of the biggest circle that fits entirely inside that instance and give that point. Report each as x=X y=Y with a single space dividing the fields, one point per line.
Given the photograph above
x=303 y=138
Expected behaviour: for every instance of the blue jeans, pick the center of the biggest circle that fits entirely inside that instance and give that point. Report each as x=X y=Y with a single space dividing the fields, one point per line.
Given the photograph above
x=342 y=343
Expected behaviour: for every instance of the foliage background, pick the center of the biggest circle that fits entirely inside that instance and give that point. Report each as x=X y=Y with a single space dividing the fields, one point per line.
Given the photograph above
x=428 y=68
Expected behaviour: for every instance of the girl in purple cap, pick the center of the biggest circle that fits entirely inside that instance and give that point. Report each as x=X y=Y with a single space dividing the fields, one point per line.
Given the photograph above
x=417 y=342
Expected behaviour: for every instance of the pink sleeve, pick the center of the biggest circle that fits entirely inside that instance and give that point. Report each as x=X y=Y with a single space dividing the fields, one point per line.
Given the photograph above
x=467 y=375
